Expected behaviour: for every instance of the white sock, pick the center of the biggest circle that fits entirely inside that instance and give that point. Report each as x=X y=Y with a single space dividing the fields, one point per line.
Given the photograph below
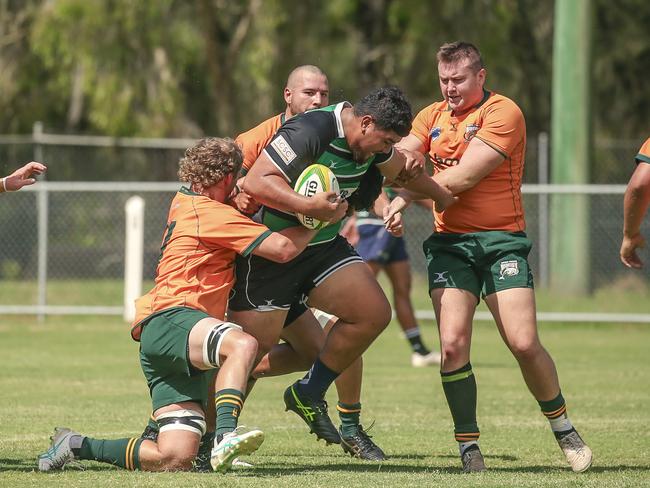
x=561 y=424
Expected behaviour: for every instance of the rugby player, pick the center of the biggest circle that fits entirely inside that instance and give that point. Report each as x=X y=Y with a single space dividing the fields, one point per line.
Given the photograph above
x=476 y=140
x=635 y=205
x=181 y=328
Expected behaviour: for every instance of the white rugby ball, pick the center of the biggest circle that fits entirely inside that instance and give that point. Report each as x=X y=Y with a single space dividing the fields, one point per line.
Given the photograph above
x=315 y=178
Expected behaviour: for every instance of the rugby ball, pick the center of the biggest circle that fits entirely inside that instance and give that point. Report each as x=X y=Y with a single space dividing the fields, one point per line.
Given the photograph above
x=315 y=178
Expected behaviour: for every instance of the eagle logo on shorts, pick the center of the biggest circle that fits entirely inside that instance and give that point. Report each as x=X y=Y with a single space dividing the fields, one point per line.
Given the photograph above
x=435 y=133
x=508 y=268
x=470 y=131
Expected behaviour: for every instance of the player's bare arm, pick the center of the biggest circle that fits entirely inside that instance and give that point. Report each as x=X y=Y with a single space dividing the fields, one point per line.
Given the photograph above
x=422 y=184
x=635 y=205
x=267 y=185
x=478 y=161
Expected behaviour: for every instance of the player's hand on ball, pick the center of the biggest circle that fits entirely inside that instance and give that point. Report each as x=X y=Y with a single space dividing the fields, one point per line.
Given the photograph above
x=326 y=205
x=341 y=210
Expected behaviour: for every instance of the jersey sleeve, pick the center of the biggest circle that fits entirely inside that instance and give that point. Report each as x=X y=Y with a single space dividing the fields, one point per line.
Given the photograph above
x=503 y=127
x=222 y=226
x=253 y=141
x=300 y=141
x=421 y=126
x=644 y=153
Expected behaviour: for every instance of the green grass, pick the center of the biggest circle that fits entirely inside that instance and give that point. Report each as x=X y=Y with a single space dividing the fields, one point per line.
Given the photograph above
x=83 y=372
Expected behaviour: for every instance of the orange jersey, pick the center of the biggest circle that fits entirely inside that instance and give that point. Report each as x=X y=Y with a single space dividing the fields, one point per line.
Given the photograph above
x=253 y=141
x=196 y=267
x=495 y=202
x=644 y=152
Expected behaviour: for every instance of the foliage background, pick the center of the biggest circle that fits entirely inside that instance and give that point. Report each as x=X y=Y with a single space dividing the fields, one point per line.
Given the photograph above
x=173 y=68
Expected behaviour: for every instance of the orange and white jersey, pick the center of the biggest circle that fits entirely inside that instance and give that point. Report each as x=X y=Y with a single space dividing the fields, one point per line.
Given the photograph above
x=253 y=141
x=495 y=202
x=196 y=267
x=644 y=153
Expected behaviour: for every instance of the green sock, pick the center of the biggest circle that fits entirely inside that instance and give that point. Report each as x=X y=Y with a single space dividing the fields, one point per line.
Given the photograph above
x=229 y=403
x=460 y=389
x=121 y=452
x=555 y=411
x=349 y=414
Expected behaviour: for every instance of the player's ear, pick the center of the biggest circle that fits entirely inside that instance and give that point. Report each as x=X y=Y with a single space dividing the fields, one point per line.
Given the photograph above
x=366 y=122
x=287 y=95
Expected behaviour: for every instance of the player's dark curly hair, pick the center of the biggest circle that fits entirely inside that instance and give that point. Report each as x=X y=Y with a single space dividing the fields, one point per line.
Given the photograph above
x=209 y=161
x=388 y=107
x=369 y=189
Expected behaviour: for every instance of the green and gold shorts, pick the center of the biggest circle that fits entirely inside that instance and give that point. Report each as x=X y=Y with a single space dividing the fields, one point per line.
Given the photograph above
x=481 y=262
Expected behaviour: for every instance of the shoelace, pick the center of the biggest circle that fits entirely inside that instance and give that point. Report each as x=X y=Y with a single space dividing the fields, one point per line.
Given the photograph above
x=572 y=441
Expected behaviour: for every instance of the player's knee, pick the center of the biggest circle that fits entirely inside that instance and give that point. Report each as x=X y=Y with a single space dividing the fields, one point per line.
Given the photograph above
x=525 y=349
x=246 y=346
x=454 y=348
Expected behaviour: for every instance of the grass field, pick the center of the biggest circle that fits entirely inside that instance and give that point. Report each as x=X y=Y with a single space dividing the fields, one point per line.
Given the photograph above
x=84 y=373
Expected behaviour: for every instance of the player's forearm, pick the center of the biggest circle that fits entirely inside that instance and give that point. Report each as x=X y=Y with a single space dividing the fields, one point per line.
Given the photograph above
x=273 y=191
x=635 y=205
x=457 y=180
x=426 y=187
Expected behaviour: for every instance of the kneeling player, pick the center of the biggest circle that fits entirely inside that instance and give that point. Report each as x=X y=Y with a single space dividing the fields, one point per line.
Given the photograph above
x=179 y=323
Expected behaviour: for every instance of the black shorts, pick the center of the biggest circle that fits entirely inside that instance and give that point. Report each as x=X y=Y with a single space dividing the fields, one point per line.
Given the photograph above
x=264 y=285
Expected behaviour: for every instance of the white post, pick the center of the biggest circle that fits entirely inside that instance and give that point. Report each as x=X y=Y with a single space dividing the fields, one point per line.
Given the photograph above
x=133 y=254
x=43 y=217
x=542 y=208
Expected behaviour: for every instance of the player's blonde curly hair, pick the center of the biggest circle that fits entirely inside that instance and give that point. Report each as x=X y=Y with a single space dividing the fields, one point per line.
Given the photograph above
x=209 y=161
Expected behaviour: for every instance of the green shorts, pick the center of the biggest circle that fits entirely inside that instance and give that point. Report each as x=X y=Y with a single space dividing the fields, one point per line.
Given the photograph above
x=481 y=262
x=164 y=358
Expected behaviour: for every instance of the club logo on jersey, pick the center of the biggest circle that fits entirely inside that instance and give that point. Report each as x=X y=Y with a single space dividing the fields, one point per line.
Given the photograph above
x=435 y=133
x=470 y=131
x=283 y=149
x=440 y=277
x=446 y=162
x=508 y=268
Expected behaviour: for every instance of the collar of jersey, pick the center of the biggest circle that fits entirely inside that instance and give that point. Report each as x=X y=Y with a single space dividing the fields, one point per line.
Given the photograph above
x=486 y=95
x=337 y=115
x=186 y=191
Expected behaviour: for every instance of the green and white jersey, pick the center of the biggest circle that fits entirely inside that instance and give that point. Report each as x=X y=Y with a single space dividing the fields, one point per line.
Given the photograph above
x=316 y=136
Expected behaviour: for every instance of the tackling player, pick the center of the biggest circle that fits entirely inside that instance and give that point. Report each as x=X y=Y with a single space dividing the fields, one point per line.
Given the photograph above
x=476 y=140
x=181 y=329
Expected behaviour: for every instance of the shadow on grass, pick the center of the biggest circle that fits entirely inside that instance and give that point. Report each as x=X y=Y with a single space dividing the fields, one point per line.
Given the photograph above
x=28 y=465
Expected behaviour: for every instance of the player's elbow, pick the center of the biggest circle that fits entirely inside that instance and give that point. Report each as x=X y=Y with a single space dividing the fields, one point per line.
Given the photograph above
x=285 y=251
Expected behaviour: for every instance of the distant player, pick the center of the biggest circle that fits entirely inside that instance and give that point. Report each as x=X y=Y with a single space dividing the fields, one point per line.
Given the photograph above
x=637 y=199
x=181 y=329
x=476 y=140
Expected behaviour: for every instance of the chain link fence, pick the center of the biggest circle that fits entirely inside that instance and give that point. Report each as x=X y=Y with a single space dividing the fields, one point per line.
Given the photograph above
x=62 y=248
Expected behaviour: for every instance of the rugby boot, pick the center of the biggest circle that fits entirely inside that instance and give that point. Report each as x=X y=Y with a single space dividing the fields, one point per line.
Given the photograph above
x=314 y=413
